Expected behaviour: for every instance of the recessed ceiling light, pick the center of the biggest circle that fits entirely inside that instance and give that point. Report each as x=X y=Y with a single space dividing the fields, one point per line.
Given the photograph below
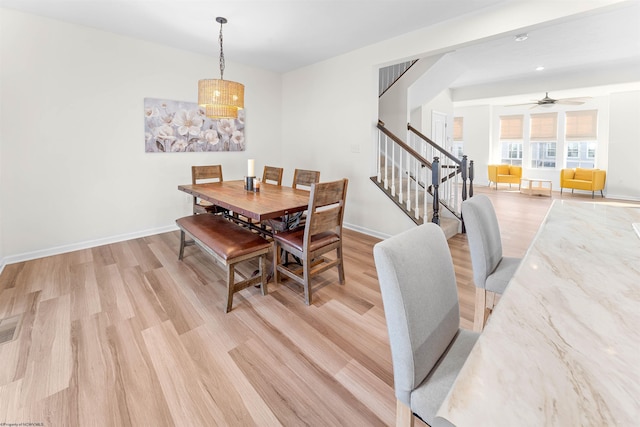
x=521 y=37
x=540 y=68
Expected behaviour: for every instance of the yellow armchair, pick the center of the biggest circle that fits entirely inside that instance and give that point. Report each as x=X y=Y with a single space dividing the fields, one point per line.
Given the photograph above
x=508 y=174
x=583 y=179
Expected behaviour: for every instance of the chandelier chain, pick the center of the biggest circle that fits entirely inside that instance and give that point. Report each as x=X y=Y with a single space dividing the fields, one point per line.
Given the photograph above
x=221 y=54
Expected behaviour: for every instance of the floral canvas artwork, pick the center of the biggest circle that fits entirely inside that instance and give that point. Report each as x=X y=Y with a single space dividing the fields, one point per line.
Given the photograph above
x=176 y=126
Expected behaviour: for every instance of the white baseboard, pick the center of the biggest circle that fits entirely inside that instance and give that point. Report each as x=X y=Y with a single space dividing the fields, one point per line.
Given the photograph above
x=621 y=197
x=366 y=231
x=26 y=256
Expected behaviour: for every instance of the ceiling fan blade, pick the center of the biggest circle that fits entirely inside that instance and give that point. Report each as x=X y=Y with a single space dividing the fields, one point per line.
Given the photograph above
x=576 y=99
x=569 y=102
x=535 y=104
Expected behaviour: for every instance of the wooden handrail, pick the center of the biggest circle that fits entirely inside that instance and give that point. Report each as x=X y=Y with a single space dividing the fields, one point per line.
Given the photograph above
x=434 y=145
x=402 y=144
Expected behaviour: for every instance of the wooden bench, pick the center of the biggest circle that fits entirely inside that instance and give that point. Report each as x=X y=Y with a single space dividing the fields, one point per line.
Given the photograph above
x=228 y=243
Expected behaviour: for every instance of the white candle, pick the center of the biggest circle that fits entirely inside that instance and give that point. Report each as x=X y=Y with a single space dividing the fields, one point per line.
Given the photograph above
x=251 y=171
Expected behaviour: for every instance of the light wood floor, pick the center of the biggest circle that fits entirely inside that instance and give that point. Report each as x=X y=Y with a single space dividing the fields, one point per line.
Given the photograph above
x=127 y=335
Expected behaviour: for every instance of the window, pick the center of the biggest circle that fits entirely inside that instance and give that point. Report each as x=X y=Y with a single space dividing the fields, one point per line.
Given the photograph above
x=543 y=154
x=550 y=151
x=511 y=135
x=457 y=148
x=458 y=123
x=515 y=151
x=543 y=136
x=573 y=150
x=582 y=138
x=581 y=154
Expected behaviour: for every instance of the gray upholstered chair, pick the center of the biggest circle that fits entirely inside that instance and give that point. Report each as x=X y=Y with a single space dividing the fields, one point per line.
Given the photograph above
x=420 y=299
x=491 y=271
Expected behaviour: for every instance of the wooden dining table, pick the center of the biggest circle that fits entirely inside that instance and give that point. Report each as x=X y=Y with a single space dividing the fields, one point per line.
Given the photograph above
x=272 y=201
x=562 y=347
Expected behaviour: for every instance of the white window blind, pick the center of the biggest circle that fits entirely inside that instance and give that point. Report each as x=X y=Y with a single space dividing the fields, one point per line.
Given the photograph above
x=582 y=125
x=457 y=128
x=511 y=127
x=544 y=127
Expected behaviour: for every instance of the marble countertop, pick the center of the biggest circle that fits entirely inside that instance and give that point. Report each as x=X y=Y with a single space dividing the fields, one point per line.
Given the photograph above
x=562 y=347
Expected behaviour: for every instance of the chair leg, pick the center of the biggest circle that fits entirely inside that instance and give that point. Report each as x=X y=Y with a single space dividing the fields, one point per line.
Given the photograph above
x=340 y=265
x=480 y=314
x=306 y=276
x=181 y=254
x=601 y=194
x=404 y=415
x=276 y=262
x=263 y=272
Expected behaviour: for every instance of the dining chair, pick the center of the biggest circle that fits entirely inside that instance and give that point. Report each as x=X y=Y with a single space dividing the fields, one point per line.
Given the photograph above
x=272 y=175
x=200 y=175
x=491 y=271
x=302 y=180
x=321 y=234
x=420 y=300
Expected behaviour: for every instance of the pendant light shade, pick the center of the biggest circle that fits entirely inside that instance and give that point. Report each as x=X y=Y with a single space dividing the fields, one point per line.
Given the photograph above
x=221 y=98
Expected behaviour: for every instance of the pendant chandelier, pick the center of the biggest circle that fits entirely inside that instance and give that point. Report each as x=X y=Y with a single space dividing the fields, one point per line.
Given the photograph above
x=221 y=98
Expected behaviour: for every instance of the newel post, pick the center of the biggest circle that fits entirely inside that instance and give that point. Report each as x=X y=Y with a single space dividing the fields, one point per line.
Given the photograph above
x=471 y=178
x=435 y=181
x=464 y=177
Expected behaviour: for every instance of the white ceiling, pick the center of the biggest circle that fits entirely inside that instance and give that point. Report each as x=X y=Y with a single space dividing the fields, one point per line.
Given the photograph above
x=285 y=35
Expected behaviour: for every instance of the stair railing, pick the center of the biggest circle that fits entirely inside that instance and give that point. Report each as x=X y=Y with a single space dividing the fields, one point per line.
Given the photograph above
x=399 y=160
x=454 y=173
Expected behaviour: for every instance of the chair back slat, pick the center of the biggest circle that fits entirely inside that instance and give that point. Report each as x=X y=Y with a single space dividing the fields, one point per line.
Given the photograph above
x=325 y=220
x=304 y=178
x=211 y=173
x=272 y=175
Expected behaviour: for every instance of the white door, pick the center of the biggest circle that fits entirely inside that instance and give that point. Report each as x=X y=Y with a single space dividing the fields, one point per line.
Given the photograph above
x=439 y=129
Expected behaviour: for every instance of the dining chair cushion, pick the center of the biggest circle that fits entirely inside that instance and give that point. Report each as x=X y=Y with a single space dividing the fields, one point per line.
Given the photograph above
x=295 y=238
x=498 y=280
x=429 y=395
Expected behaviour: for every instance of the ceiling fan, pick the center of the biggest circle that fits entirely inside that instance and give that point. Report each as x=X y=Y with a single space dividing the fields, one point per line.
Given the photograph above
x=548 y=101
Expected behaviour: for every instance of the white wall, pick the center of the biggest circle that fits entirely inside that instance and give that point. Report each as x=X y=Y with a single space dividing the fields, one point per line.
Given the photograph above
x=440 y=103
x=74 y=171
x=623 y=173
x=394 y=106
x=476 y=133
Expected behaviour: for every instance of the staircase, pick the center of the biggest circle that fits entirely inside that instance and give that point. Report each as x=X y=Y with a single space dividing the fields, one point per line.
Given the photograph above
x=413 y=183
